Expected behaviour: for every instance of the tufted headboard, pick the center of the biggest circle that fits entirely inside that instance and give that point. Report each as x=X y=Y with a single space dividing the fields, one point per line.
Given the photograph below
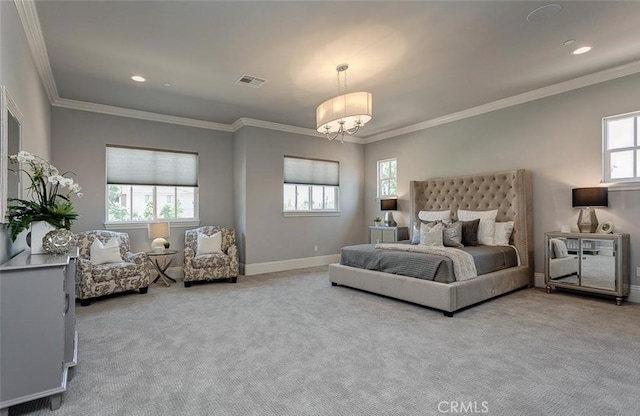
x=508 y=192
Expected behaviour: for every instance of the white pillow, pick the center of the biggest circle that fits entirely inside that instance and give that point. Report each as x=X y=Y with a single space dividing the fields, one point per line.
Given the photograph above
x=210 y=244
x=107 y=253
x=486 y=230
x=503 y=233
x=430 y=216
x=431 y=235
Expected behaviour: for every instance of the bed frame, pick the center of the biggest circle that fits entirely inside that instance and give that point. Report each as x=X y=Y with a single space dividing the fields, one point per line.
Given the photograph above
x=508 y=192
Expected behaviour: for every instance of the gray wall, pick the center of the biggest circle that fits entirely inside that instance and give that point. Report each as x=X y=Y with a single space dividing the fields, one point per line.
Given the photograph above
x=19 y=74
x=240 y=181
x=268 y=235
x=79 y=139
x=558 y=138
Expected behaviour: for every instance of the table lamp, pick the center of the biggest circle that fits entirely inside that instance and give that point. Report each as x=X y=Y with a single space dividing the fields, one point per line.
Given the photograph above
x=158 y=231
x=587 y=199
x=389 y=205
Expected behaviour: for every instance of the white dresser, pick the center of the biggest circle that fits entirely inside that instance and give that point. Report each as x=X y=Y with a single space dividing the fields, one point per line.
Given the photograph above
x=38 y=338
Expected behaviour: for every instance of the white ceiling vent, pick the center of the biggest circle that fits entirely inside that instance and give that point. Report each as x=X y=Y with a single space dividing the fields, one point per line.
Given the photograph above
x=250 y=81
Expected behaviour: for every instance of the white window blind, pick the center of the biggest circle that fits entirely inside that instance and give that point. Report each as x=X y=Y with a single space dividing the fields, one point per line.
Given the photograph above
x=311 y=171
x=134 y=166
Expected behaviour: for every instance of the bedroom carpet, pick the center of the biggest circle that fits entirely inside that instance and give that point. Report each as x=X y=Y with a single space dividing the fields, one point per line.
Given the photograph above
x=291 y=344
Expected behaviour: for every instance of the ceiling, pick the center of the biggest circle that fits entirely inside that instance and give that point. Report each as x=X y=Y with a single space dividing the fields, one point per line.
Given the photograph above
x=421 y=60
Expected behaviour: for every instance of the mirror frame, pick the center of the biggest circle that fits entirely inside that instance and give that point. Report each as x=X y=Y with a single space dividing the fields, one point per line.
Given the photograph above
x=8 y=108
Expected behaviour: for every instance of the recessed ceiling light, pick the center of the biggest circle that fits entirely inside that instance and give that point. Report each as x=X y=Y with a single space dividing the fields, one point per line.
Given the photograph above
x=167 y=84
x=138 y=78
x=582 y=50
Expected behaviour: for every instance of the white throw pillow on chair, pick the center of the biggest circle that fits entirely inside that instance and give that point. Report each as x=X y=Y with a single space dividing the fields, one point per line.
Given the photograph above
x=210 y=244
x=105 y=253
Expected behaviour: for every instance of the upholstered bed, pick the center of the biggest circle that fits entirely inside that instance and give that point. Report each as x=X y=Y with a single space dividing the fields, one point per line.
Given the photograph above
x=508 y=192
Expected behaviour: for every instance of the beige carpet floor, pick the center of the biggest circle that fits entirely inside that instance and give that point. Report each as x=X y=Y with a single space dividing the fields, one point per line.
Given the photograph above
x=291 y=344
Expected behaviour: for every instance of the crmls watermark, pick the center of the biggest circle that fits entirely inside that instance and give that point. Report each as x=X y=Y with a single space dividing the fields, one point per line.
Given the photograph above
x=463 y=407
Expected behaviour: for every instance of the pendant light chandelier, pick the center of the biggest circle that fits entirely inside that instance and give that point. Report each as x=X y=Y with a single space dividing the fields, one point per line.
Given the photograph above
x=345 y=113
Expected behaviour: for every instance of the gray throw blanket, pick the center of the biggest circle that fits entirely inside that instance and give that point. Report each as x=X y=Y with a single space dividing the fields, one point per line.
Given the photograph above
x=463 y=265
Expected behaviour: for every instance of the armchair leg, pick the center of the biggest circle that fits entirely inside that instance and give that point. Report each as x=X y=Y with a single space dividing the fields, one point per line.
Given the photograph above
x=233 y=279
x=187 y=284
x=85 y=302
x=144 y=290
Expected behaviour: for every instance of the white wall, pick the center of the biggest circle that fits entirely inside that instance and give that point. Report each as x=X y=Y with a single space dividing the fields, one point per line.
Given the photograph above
x=558 y=138
x=78 y=145
x=19 y=74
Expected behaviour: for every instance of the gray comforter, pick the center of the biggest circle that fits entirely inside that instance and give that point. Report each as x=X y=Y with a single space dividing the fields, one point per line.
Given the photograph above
x=426 y=266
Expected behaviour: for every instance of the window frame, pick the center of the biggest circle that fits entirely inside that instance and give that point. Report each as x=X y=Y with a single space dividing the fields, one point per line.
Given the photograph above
x=132 y=224
x=606 y=153
x=379 y=179
x=310 y=212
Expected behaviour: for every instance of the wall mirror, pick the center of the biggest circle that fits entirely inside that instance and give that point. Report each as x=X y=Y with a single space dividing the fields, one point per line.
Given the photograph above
x=10 y=144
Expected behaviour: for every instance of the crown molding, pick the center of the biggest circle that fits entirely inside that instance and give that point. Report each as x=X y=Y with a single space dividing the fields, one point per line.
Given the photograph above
x=250 y=122
x=559 y=88
x=141 y=115
x=32 y=29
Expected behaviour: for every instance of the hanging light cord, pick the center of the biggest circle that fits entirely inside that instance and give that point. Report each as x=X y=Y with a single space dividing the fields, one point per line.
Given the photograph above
x=341 y=131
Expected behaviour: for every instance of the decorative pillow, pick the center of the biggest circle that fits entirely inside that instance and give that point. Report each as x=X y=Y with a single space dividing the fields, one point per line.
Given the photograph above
x=470 y=232
x=486 y=231
x=105 y=253
x=210 y=244
x=503 y=233
x=452 y=235
x=431 y=234
x=559 y=248
x=428 y=216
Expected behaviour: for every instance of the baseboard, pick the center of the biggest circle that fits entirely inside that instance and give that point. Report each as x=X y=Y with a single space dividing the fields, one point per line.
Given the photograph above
x=634 y=290
x=634 y=294
x=538 y=279
x=278 y=266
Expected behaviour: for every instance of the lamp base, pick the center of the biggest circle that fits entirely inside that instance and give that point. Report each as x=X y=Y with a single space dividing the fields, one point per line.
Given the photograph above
x=388 y=219
x=157 y=245
x=587 y=220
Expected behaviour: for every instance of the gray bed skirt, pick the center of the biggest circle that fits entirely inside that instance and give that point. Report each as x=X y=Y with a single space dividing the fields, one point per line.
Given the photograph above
x=447 y=297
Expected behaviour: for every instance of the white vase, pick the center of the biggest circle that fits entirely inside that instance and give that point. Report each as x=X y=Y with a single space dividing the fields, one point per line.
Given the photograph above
x=38 y=230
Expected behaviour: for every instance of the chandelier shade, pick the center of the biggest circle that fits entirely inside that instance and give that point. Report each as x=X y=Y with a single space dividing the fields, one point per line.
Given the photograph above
x=344 y=112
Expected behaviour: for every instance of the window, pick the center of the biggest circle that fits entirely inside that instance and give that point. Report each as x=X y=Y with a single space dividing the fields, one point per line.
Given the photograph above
x=621 y=144
x=310 y=185
x=387 y=178
x=146 y=185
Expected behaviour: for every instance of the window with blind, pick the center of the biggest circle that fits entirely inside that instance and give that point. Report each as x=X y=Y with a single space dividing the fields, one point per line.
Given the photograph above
x=148 y=184
x=311 y=185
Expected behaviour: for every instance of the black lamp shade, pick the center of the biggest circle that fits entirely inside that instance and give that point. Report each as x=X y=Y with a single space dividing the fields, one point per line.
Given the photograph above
x=388 y=205
x=590 y=197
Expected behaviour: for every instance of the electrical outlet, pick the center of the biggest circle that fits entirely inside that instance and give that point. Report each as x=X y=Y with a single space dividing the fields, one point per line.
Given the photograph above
x=315 y=248
x=637 y=271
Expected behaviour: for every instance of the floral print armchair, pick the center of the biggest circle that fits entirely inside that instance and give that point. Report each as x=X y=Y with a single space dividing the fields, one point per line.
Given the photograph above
x=211 y=266
x=93 y=280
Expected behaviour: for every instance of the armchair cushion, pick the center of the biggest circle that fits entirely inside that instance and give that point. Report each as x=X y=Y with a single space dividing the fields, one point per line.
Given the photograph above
x=111 y=271
x=210 y=260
